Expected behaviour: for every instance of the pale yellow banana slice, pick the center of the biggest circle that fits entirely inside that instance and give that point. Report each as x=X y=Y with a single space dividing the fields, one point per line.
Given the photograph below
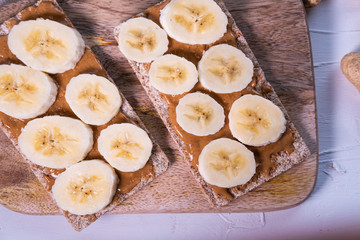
x=46 y=45
x=86 y=187
x=55 y=141
x=25 y=92
x=256 y=121
x=226 y=163
x=225 y=69
x=199 y=114
x=173 y=75
x=125 y=146
x=94 y=99
x=194 y=21
x=142 y=40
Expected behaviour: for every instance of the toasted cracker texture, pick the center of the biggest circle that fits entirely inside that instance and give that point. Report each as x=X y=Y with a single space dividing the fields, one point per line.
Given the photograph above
x=158 y=159
x=283 y=159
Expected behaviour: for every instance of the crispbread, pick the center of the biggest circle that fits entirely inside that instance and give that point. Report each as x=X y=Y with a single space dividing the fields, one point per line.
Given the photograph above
x=283 y=160
x=158 y=159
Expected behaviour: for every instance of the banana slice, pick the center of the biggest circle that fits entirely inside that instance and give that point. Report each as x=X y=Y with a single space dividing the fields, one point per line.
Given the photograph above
x=174 y=75
x=55 y=141
x=225 y=69
x=24 y=92
x=95 y=100
x=86 y=187
x=142 y=40
x=199 y=114
x=226 y=163
x=194 y=22
x=46 y=45
x=125 y=146
x=256 y=121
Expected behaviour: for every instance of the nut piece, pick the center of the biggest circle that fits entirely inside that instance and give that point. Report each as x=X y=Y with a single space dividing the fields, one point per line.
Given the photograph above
x=311 y=3
x=350 y=66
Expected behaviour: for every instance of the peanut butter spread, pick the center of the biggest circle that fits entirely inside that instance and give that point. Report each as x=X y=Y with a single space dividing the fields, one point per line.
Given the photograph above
x=87 y=64
x=195 y=144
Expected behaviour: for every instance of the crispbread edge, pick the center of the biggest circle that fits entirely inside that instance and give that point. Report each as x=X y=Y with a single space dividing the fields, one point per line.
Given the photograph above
x=284 y=160
x=158 y=158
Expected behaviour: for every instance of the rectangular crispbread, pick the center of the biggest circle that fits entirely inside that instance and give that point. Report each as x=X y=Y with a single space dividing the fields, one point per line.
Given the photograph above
x=282 y=160
x=158 y=159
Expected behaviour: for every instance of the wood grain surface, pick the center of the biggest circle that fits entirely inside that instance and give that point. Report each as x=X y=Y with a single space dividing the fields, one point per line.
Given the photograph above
x=277 y=34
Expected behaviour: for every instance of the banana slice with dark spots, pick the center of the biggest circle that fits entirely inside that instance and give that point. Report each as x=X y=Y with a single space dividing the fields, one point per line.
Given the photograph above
x=142 y=40
x=194 y=22
x=226 y=163
x=173 y=75
x=125 y=146
x=55 y=141
x=46 y=45
x=199 y=114
x=94 y=99
x=86 y=187
x=225 y=69
x=25 y=92
x=256 y=121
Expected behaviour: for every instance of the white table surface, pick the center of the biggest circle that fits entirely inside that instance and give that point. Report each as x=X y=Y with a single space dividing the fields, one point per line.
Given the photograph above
x=332 y=210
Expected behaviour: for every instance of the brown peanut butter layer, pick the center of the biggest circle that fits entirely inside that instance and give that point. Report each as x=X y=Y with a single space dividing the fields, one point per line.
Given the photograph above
x=271 y=159
x=129 y=182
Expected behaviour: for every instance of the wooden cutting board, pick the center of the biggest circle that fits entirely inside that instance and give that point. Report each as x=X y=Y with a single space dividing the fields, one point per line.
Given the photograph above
x=278 y=35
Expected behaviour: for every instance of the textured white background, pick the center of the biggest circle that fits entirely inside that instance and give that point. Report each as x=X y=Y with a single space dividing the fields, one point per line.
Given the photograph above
x=332 y=210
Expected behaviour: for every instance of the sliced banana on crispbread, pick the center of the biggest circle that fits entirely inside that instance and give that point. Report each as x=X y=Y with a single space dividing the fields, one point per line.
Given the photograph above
x=173 y=75
x=142 y=40
x=94 y=99
x=46 y=45
x=25 y=92
x=256 y=121
x=125 y=146
x=226 y=163
x=194 y=22
x=55 y=141
x=225 y=69
x=86 y=187
x=199 y=114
